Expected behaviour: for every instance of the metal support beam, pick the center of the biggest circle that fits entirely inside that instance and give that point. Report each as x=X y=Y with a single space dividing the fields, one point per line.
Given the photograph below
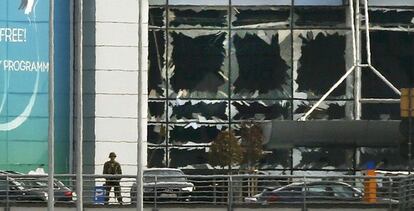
x=357 y=75
x=51 y=128
x=140 y=138
x=79 y=103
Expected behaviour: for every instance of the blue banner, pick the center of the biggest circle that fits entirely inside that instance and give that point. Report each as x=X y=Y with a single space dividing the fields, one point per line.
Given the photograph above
x=24 y=68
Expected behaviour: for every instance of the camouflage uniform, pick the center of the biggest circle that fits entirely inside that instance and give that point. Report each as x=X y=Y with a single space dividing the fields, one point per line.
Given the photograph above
x=112 y=167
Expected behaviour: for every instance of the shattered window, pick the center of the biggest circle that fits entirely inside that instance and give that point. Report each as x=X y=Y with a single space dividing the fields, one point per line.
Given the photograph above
x=391 y=17
x=193 y=134
x=156 y=134
x=156 y=157
x=320 y=16
x=392 y=158
x=200 y=17
x=197 y=67
x=189 y=157
x=214 y=66
x=261 y=64
x=196 y=110
x=156 y=17
x=327 y=110
x=393 y=56
x=269 y=17
x=313 y=78
x=156 y=63
x=323 y=158
x=156 y=110
x=261 y=110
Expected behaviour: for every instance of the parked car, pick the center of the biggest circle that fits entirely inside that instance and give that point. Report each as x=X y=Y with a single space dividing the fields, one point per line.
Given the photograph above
x=13 y=190
x=61 y=192
x=313 y=192
x=164 y=184
x=40 y=185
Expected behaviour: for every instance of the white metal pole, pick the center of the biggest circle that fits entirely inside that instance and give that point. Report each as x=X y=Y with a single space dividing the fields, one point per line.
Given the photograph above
x=357 y=76
x=140 y=150
x=304 y=117
x=79 y=104
x=51 y=128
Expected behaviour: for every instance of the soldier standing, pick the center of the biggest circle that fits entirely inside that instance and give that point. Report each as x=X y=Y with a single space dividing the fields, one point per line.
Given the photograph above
x=112 y=167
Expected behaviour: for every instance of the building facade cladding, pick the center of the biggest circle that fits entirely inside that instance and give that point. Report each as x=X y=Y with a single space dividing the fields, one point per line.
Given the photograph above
x=216 y=64
x=111 y=82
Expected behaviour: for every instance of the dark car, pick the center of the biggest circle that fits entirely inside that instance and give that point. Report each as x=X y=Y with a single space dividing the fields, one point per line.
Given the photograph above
x=61 y=192
x=315 y=191
x=15 y=191
x=164 y=184
x=323 y=191
x=39 y=185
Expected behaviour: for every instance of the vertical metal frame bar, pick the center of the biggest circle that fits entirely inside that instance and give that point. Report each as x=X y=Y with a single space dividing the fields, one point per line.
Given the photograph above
x=357 y=75
x=140 y=138
x=79 y=103
x=51 y=128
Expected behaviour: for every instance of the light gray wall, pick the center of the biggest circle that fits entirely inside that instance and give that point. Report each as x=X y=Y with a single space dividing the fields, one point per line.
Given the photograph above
x=111 y=81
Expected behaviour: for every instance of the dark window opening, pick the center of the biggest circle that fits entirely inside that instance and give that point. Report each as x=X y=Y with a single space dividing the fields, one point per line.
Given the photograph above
x=156 y=52
x=246 y=17
x=203 y=18
x=320 y=16
x=256 y=110
x=388 y=17
x=331 y=111
x=381 y=111
x=393 y=56
x=180 y=157
x=319 y=158
x=156 y=158
x=156 y=134
x=261 y=66
x=198 y=62
x=156 y=110
x=156 y=17
x=204 y=109
x=322 y=64
x=200 y=135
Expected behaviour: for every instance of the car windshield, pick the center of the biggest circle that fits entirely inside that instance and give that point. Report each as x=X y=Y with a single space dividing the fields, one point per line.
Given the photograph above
x=149 y=176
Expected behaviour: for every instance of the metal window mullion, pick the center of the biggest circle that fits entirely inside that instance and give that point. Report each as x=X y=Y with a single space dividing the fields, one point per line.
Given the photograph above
x=51 y=128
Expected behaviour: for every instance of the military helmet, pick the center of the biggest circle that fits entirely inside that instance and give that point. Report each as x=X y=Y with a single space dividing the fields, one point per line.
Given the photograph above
x=112 y=154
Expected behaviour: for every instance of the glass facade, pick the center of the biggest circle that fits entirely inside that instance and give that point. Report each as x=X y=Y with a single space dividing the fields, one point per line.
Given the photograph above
x=214 y=65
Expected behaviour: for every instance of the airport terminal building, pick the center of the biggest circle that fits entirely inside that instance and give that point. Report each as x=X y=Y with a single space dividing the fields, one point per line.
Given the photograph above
x=214 y=65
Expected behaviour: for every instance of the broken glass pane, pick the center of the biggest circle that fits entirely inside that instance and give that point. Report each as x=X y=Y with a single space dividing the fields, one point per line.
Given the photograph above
x=389 y=17
x=198 y=16
x=327 y=110
x=156 y=110
x=392 y=54
x=199 y=2
x=156 y=17
x=381 y=111
x=318 y=2
x=156 y=64
x=320 y=17
x=319 y=56
x=261 y=64
x=323 y=158
x=383 y=158
x=195 y=134
x=197 y=110
x=189 y=157
x=261 y=2
x=391 y=3
x=198 y=64
x=156 y=157
x=261 y=110
x=156 y=134
x=156 y=2
x=270 y=17
x=275 y=159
